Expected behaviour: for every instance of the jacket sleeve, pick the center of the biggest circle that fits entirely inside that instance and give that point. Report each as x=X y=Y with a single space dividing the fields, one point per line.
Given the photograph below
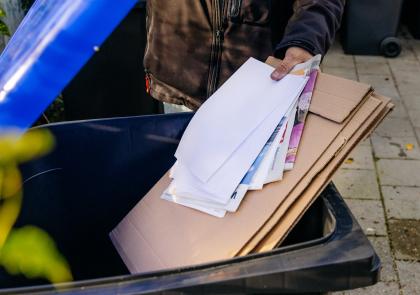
x=312 y=26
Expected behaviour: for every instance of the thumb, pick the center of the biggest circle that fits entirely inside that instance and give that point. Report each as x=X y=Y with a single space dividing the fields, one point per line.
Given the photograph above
x=283 y=68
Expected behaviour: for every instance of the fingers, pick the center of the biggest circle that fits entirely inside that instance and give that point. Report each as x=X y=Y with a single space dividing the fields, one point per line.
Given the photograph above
x=293 y=56
x=285 y=66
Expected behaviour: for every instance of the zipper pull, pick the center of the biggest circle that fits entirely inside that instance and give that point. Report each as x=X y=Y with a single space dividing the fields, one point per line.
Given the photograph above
x=148 y=82
x=219 y=34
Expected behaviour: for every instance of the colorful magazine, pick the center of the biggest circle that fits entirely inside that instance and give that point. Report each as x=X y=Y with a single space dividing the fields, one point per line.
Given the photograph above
x=302 y=111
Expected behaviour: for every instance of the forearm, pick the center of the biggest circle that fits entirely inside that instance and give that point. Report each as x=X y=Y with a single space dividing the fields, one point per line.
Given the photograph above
x=312 y=26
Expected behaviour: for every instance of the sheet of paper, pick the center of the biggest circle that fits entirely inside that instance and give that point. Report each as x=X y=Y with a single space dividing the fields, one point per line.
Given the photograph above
x=277 y=168
x=223 y=183
x=249 y=93
x=194 y=205
x=271 y=146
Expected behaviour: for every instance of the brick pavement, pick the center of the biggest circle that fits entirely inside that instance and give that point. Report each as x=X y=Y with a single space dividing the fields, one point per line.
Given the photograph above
x=381 y=179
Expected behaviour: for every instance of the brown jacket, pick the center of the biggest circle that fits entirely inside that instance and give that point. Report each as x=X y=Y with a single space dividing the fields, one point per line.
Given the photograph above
x=195 y=45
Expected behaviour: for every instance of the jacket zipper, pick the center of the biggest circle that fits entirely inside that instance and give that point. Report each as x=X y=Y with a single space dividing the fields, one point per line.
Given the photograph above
x=217 y=45
x=148 y=81
x=234 y=10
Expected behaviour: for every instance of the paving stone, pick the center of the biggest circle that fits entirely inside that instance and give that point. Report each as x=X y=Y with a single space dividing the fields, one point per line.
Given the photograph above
x=411 y=101
x=381 y=288
x=347 y=73
x=360 y=158
x=383 y=249
x=369 y=214
x=400 y=65
x=382 y=83
x=414 y=116
x=409 y=273
x=399 y=172
x=407 y=53
x=408 y=86
x=373 y=68
x=364 y=59
x=399 y=110
x=405 y=238
x=365 y=142
x=338 y=60
x=357 y=184
x=402 y=202
x=417 y=130
x=395 y=147
x=395 y=127
x=416 y=50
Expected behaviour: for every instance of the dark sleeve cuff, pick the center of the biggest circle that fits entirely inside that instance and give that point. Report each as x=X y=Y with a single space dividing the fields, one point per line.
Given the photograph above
x=282 y=47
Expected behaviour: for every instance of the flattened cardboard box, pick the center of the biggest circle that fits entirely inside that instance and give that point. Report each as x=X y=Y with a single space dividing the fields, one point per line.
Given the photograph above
x=317 y=154
x=158 y=234
x=292 y=210
x=340 y=142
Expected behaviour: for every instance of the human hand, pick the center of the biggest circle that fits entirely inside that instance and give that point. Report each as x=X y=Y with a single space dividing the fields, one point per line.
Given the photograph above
x=293 y=56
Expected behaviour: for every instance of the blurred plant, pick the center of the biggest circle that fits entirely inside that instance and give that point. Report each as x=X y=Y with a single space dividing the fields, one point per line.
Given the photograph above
x=4 y=30
x=27 y=250
x=54 y=113
x=26 y=4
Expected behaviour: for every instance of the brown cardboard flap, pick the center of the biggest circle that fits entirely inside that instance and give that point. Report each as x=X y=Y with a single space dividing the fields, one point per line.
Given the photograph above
x=286 y=216
x=334 y=98
x=324 y=145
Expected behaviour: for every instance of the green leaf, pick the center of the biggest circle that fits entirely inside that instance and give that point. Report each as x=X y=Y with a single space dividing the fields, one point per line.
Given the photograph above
x=31 y=251
x=4 y=30
x=16 y=148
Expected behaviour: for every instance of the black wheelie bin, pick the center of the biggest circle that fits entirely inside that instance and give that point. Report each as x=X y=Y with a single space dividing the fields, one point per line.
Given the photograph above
x=370 y=27
x=101 y=168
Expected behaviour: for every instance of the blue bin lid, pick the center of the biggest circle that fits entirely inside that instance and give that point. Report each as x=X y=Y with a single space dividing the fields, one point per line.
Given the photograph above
x=51 y=45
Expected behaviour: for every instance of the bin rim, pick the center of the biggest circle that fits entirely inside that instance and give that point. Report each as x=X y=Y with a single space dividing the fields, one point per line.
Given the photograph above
x=133 y=282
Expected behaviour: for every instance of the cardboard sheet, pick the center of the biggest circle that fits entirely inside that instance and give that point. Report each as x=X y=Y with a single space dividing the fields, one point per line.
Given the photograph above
x=159 y=235
x=292 y=209
x=310 y=147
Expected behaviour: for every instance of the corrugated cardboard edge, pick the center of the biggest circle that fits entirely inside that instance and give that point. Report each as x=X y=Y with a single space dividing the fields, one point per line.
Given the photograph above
x=299 y=187
x=296 y=210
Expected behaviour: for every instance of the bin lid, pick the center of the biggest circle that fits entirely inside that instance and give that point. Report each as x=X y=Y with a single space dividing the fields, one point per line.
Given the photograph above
x=53 y=42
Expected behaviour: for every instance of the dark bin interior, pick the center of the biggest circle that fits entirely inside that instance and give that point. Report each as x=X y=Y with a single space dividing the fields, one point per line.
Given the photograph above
x=96 y=174
x=112 y=83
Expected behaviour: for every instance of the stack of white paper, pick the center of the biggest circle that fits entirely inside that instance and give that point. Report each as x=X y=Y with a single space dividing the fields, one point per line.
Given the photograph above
x=237 y=141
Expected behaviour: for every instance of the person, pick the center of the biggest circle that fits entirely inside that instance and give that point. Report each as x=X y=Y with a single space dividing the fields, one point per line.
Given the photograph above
x=194 y=46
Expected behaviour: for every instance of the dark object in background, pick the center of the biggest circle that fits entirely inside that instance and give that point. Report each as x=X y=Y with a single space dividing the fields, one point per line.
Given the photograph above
x=411 y=17
x=112 y=83
x=370 y=27
x=101 y=168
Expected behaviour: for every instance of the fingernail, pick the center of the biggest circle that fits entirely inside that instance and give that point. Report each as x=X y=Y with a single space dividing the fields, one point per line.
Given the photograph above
x=276 y=75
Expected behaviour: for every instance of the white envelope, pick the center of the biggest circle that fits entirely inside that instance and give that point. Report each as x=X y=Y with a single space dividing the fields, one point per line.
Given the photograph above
x=249 y=93
x=223 y=183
